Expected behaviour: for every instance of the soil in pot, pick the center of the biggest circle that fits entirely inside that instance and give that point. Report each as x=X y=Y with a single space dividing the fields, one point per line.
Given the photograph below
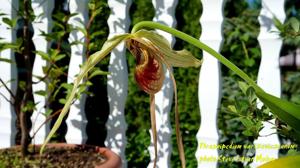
x=56 y=155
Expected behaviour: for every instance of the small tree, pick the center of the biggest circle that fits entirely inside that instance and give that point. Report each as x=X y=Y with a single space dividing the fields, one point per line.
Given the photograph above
x=55 y=70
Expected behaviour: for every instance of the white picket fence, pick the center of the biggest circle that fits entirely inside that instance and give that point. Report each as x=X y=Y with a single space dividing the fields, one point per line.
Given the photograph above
x=209 y=78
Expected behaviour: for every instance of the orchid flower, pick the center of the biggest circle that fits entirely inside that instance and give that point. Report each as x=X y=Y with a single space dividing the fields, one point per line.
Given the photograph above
x=152 y=53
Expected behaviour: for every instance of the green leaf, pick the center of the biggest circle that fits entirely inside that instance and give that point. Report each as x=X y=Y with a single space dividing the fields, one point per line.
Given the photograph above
x=91 y=6
x=67 y=86
x=233 y=47
x=14 y=46
x=232 y=108
x=247 y=133
x=6 y=60
x=62 y=101
x=97 y=72
x=10 y=22
x=288 y=161
x=249 y=62
x=41 y=92
x=285 y=110
x=76 y=42
x=295 y=24
x=44 y=55
x=48 y=112
x=29 y=107
x=243 y=86
x=92 y=46
x=73 y=14
x=246 y=122
x=278 y=24
x=82 y=30
x=22 y=85
x=97 y=33
x=59 y=57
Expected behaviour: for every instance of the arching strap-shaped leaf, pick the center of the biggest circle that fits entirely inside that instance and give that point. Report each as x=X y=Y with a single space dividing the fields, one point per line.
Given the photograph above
x=91 y=62
x=288 y=162
x=285 y=110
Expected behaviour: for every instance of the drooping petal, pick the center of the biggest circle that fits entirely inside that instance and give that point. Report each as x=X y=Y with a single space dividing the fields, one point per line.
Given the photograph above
x=174 y=58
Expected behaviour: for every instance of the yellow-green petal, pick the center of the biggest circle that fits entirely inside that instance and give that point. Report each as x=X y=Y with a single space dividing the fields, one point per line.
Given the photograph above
x=174 y=58
x=182 y=58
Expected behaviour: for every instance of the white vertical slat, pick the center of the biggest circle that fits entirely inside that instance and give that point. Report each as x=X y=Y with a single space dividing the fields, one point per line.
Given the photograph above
x=7 y=73
x=43 y=9
x=269 y=70
x=165 y=14
x=76 y=120
x=209 y=81
x=117 y=84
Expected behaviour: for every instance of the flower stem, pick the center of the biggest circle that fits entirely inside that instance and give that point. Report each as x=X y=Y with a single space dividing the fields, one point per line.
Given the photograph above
x=199 y=44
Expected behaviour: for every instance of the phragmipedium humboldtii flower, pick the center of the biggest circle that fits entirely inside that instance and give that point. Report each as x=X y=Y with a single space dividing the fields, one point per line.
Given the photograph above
x=153 y=55
x=151 y=52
